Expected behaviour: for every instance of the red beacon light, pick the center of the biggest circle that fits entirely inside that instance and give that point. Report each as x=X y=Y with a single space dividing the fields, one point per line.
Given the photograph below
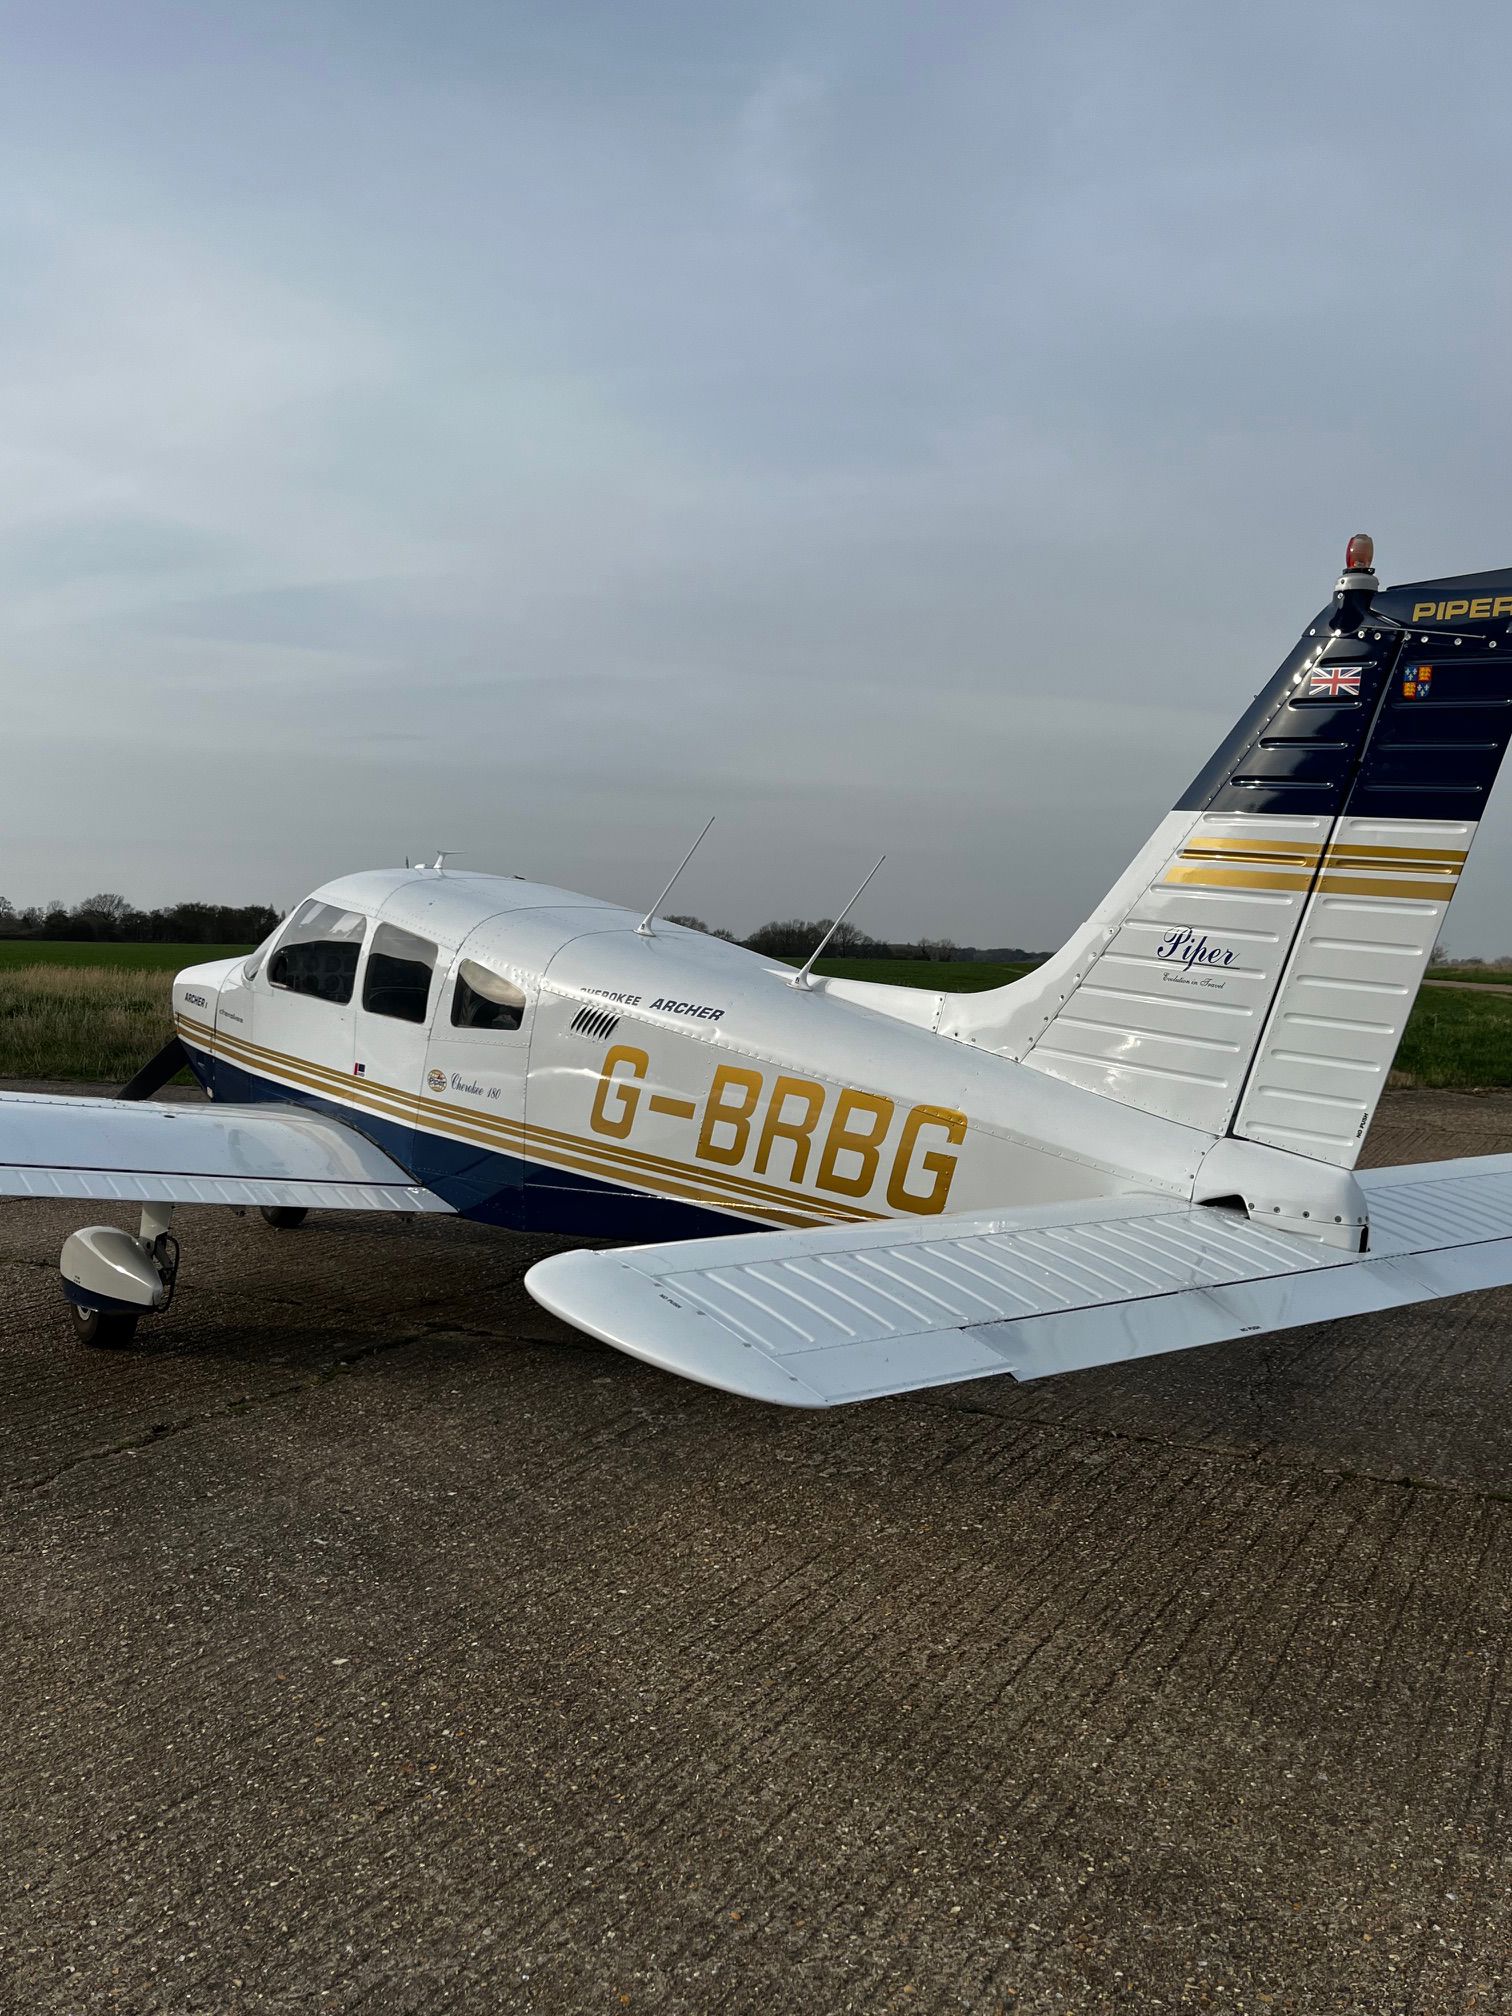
x=1356 y=587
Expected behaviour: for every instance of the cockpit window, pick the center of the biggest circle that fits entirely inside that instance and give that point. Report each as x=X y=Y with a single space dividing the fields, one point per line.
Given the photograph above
x=318 y=952
x=252 y=964
x=398 y=977
x=485 y=1000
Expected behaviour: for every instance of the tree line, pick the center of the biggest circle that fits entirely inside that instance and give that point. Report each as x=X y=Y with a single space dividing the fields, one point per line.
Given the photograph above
x=796 y=937
x=109 y=917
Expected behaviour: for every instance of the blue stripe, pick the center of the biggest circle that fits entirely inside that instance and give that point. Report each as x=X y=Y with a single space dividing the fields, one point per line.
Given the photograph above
x=484 y=1184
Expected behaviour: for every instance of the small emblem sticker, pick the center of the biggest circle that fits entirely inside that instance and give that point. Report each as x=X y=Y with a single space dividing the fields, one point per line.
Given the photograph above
x=436 y=1080
x=1333 y=685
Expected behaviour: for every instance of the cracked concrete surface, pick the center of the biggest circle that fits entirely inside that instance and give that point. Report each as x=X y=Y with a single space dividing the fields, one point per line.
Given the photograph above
x=374 y=1644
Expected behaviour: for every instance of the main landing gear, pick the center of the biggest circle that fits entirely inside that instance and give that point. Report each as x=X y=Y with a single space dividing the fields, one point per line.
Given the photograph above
x=283 y=1217
x=112 y=1280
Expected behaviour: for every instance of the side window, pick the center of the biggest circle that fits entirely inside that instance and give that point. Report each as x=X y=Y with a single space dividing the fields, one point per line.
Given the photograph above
x=398 y=977
x=485 y=1000
x=317 y=953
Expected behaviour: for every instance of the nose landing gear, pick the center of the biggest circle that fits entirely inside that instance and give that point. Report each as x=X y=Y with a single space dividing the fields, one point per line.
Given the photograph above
x=112 y=1279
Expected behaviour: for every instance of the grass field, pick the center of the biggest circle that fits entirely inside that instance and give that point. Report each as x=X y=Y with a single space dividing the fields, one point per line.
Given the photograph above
x=63 y=1019
x=137 y=958
x=91 y=1022
x=1457 y=1039
x=1484 y=976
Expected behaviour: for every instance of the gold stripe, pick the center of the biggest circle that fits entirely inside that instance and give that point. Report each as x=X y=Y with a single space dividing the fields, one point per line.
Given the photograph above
x=1210 y=843
x=564 y=1150
x=1292 y=852
x=588 y=1158
x=498 y=1131
x=1240 y=856
x=1453 y=856
x=1448 y=875
x=1345 y=868
x=1358 y=885
x=1207 y=876
x=1393 y=865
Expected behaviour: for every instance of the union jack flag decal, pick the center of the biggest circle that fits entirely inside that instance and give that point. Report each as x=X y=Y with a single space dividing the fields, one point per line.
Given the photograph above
x=1332 y=683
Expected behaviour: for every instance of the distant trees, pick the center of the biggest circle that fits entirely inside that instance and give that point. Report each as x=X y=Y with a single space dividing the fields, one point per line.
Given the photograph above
x=697 y=924
x=796 y=937
x=109 y=916
x=103 y=914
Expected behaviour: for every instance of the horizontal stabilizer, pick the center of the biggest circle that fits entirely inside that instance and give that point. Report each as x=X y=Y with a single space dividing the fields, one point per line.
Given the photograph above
x=816 y=1318
x=135 y=1153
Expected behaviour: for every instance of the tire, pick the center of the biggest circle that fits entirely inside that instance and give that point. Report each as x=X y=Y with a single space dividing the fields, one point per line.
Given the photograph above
x=284 y=1217
x=102 y=1329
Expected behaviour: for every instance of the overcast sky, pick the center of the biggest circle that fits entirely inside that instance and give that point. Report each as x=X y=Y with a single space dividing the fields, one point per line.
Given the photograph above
x=529 y=428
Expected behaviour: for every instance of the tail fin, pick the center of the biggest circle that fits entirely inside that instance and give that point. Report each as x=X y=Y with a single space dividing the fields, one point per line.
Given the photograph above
x=1253 y=970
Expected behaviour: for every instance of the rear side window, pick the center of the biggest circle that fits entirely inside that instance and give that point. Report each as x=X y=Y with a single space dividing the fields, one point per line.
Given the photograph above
x=318 y=951
x=398 y=977
x=485 y=1000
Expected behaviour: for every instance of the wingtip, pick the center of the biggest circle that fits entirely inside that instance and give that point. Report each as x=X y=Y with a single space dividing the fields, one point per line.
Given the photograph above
x=596 y=1293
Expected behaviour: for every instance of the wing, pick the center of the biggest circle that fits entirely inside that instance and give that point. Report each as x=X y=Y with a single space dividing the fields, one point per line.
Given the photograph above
x=192 y=1154
x=815 y=1318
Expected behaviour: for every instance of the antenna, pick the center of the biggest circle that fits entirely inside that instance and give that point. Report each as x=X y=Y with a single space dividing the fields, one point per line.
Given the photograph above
x=643 y=929
x=439 y=864
x=801 y=977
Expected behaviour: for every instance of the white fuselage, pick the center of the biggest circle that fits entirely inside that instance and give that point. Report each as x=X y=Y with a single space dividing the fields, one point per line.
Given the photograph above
x=656 y=1082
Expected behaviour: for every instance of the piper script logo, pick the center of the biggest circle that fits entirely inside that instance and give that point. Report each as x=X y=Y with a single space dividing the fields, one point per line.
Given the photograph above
x=1190 y=948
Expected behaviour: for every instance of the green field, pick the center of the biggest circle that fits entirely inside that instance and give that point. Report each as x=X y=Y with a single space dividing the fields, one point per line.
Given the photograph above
x=1457 y=1039
x=67 y=1018
x=90 y=1022
x=136 y=958
x=1481 y=976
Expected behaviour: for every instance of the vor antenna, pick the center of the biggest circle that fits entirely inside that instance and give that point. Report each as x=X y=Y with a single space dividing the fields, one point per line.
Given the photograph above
x=643 y=929
x=801 y=977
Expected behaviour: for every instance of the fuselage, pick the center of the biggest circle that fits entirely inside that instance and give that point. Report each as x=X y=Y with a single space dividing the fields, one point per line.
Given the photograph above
x=540 y=1063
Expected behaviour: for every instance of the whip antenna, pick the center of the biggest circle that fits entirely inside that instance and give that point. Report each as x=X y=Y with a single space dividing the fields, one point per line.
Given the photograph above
x=643 y=929
x=801 y=977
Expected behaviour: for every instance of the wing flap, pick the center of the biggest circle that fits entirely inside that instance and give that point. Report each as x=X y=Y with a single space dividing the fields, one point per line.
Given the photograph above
x=132 y=1153
x=840 y=1313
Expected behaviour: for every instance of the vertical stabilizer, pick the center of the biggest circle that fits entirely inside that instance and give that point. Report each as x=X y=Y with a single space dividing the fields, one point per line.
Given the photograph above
x=1253 y=970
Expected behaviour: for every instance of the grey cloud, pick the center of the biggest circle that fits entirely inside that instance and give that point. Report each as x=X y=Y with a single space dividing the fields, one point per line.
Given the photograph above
x=532 y=427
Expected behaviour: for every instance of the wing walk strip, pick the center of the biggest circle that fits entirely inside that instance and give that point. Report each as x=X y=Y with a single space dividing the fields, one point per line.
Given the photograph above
x=655 y=1173
x=1427 y=874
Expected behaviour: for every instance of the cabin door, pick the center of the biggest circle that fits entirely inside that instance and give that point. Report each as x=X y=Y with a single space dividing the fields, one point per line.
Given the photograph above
x=472 y=1103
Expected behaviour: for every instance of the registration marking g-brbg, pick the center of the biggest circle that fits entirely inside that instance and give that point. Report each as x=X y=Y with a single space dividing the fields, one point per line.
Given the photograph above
x=850 y=1137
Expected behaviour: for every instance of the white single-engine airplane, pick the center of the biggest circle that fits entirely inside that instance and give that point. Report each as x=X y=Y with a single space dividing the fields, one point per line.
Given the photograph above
x=854 y=1189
